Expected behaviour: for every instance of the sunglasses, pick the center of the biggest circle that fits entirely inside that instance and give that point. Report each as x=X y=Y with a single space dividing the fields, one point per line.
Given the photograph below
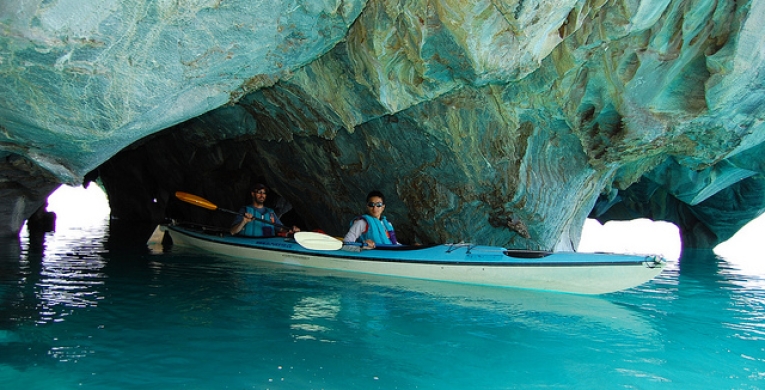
x=261 y=192
x=373 y=204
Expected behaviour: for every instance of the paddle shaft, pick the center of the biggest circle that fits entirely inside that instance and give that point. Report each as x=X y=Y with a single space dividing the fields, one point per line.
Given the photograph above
x=267 y=222
x=204 y=203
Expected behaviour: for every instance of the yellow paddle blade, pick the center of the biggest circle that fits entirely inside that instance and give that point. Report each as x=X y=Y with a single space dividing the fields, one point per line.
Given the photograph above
x=195 y=200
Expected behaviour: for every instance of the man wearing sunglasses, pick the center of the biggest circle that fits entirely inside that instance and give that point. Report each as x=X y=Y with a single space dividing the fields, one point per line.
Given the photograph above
x=257 y=220
x=372 y=228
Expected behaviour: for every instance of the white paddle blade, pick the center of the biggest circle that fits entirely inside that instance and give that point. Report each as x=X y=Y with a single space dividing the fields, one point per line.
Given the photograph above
x=155 y=241
x=318 y=241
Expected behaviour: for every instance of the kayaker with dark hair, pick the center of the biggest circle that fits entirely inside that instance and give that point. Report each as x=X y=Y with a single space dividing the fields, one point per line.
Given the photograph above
x=372 y=228
x=257 y=220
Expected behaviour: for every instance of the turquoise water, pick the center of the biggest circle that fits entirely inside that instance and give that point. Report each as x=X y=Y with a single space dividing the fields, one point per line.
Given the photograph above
x=92 y=308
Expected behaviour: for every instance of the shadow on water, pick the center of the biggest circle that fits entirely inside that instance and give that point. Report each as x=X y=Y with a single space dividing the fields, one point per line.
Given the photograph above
x=20 y=270
x=712 y=291
x=10 y=274
x=702 y=269
x=699 y=264
x=128 y=237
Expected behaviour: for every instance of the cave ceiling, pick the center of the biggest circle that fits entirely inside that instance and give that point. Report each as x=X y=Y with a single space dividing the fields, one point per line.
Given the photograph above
x=496 y=122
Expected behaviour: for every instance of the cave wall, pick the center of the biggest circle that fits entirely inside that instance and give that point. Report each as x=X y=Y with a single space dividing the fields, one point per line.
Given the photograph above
x=497 y=122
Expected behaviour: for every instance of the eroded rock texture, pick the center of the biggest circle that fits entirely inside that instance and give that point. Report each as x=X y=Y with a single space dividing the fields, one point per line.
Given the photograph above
x=499 y=122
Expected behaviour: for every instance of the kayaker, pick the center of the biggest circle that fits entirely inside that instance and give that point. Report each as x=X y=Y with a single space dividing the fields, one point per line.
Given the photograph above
x=372 y=228
x=257 y=220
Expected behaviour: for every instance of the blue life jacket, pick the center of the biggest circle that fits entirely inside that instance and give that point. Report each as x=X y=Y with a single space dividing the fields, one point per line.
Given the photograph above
x=259 y=229
x=378 y=230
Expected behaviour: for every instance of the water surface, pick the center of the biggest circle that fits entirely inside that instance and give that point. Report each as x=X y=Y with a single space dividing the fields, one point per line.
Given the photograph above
x=91 y=307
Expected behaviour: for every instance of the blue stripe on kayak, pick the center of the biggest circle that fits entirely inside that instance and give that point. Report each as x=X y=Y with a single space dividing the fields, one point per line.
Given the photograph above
x=290 y=247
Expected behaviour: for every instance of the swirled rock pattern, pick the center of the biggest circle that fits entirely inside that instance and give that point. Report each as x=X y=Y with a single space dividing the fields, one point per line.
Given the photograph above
x=499 y=122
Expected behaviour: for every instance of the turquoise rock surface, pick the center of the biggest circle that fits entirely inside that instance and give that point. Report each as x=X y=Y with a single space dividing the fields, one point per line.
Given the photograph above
x=497 y=122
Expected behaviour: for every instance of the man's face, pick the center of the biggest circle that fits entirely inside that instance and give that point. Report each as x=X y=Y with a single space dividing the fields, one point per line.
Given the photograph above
x=259 y=196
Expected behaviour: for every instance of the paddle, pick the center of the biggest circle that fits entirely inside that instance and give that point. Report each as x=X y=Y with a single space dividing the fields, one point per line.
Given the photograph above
x=318 y=241
x=323 y=242
x=202 y=202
